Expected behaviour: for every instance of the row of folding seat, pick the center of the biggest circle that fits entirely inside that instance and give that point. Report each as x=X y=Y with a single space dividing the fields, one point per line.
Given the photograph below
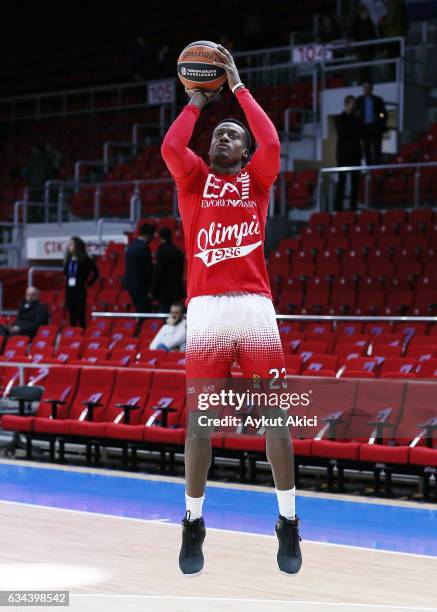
x=280 y=283
x=367 y=302
x=96 y=401
x=106 y=405
x=396 y=218
x=353 y=275
x=388 y=246
x=353 y=269
x=307 y=358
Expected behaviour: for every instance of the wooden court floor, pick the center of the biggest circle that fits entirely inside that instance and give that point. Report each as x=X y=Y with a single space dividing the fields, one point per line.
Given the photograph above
x=114 y=564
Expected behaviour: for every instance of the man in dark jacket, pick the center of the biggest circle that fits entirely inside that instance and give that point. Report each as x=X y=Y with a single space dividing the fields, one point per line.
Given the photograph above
x=139 y=268
x=30 y=316
x=349 y=134
x=371 y=111
x=168 y=286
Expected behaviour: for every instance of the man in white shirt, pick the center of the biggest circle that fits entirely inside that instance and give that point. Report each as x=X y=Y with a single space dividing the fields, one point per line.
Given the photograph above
x=172 y=336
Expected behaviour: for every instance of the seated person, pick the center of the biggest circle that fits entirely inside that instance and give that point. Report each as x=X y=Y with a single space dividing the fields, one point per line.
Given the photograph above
x=30 y=316
x=172 y=336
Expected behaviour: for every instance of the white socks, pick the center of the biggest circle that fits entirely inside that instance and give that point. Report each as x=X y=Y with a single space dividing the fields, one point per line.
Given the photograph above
x=194 y=505
x=287 y=503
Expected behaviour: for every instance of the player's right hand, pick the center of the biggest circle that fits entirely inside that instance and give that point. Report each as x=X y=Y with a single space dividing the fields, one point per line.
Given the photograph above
x=201 y=97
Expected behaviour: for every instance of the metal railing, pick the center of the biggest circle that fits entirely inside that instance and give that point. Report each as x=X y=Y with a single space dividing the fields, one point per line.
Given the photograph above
x=252 y=64
x=67 y=96
x=65 y=188
x=325 y=199
x=285 y=317
x=102 y=222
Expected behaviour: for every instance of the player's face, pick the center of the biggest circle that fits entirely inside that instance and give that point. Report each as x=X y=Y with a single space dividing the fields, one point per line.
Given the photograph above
x=228 y=144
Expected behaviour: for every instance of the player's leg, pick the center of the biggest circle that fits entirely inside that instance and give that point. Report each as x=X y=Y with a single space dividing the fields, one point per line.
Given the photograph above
x=260 y=352
x=208 y=357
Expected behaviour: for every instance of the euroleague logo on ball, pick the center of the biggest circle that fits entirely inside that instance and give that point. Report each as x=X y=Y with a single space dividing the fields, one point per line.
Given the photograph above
x=183 y=71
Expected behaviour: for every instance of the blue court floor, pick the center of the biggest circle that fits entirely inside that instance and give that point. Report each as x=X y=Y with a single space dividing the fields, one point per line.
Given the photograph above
x=354 y=523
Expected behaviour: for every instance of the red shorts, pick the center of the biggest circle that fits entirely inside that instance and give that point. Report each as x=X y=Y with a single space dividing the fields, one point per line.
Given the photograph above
x=232 y=327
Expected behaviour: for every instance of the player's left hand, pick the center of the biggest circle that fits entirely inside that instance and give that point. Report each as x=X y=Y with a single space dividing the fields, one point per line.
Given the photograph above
x=226 y=61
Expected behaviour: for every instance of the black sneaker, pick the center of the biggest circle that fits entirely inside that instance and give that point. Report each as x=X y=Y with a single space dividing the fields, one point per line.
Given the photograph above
x=289 y=555
x=191 y=555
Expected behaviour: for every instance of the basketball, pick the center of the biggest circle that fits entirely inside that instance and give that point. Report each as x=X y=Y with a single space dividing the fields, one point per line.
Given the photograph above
x=195 y=66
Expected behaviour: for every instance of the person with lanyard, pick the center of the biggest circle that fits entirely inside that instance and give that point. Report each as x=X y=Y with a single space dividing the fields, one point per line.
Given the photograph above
x=81 y=273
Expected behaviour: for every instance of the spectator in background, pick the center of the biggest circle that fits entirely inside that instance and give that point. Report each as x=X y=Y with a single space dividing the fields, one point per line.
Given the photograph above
x=168 y=285
x=372 y=113
x=363 y=29
x=140 y=60
x=30 y=316
x=80 y=273
x=139 y=268
x=173 y=335
x=55 y=158
x=393 y=24
x=329 y=29
x=349 y=135
x=395 y=21
x=37 y=172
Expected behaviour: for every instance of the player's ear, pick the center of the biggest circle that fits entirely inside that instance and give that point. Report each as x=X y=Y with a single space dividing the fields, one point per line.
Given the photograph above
x=245 y=153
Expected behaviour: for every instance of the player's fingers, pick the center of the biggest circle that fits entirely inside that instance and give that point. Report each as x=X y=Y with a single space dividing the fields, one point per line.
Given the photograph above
x=224 y=51
x=222 y=56
x=220 y=65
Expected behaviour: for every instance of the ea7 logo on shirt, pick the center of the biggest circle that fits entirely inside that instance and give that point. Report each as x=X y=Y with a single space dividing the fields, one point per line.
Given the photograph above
x=218 y=192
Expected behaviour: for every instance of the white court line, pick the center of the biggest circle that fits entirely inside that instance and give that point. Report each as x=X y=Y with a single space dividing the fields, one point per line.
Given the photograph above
x=398 y=503
x=246 y=533
x=261 y=601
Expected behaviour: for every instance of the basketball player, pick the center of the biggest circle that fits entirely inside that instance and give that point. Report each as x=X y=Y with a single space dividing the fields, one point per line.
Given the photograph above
x=230 y=315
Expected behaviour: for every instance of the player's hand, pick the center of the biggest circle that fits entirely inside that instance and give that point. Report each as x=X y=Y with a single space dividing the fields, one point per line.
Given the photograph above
x=226 y=61
x=201 y=97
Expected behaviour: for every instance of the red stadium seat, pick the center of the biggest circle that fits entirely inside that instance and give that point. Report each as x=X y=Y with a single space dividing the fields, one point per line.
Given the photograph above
x=293 y=364
x=361 y=364
x=46 y=332
x=18 y=344
x=386 y=350
x=308 y=349
x=70 y=332
x=360 y=340
x=60 y=384
x=398 y=365
x=421 y=353
x=95 y=385
x=321 y=363
x=94 y=344
x=348 y=351
x=131 y=387
x=427 y=368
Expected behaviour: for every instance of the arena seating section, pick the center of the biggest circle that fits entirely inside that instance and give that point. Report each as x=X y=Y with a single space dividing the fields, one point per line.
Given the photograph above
x=366 y=263
x=83 y=138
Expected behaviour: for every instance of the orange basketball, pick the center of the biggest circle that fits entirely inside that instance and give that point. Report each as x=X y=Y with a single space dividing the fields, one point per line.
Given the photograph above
x=196 y=69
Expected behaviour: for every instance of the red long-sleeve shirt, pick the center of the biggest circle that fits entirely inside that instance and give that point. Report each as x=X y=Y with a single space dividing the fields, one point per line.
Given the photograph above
x=224 y=215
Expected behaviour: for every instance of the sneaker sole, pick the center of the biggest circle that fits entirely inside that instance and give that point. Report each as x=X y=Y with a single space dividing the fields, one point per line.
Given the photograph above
x=192 y=575
x=287 y=573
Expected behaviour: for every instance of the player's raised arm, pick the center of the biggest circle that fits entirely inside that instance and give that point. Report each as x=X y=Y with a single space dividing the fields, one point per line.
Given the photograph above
x=267 y=158
x=181 y=160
